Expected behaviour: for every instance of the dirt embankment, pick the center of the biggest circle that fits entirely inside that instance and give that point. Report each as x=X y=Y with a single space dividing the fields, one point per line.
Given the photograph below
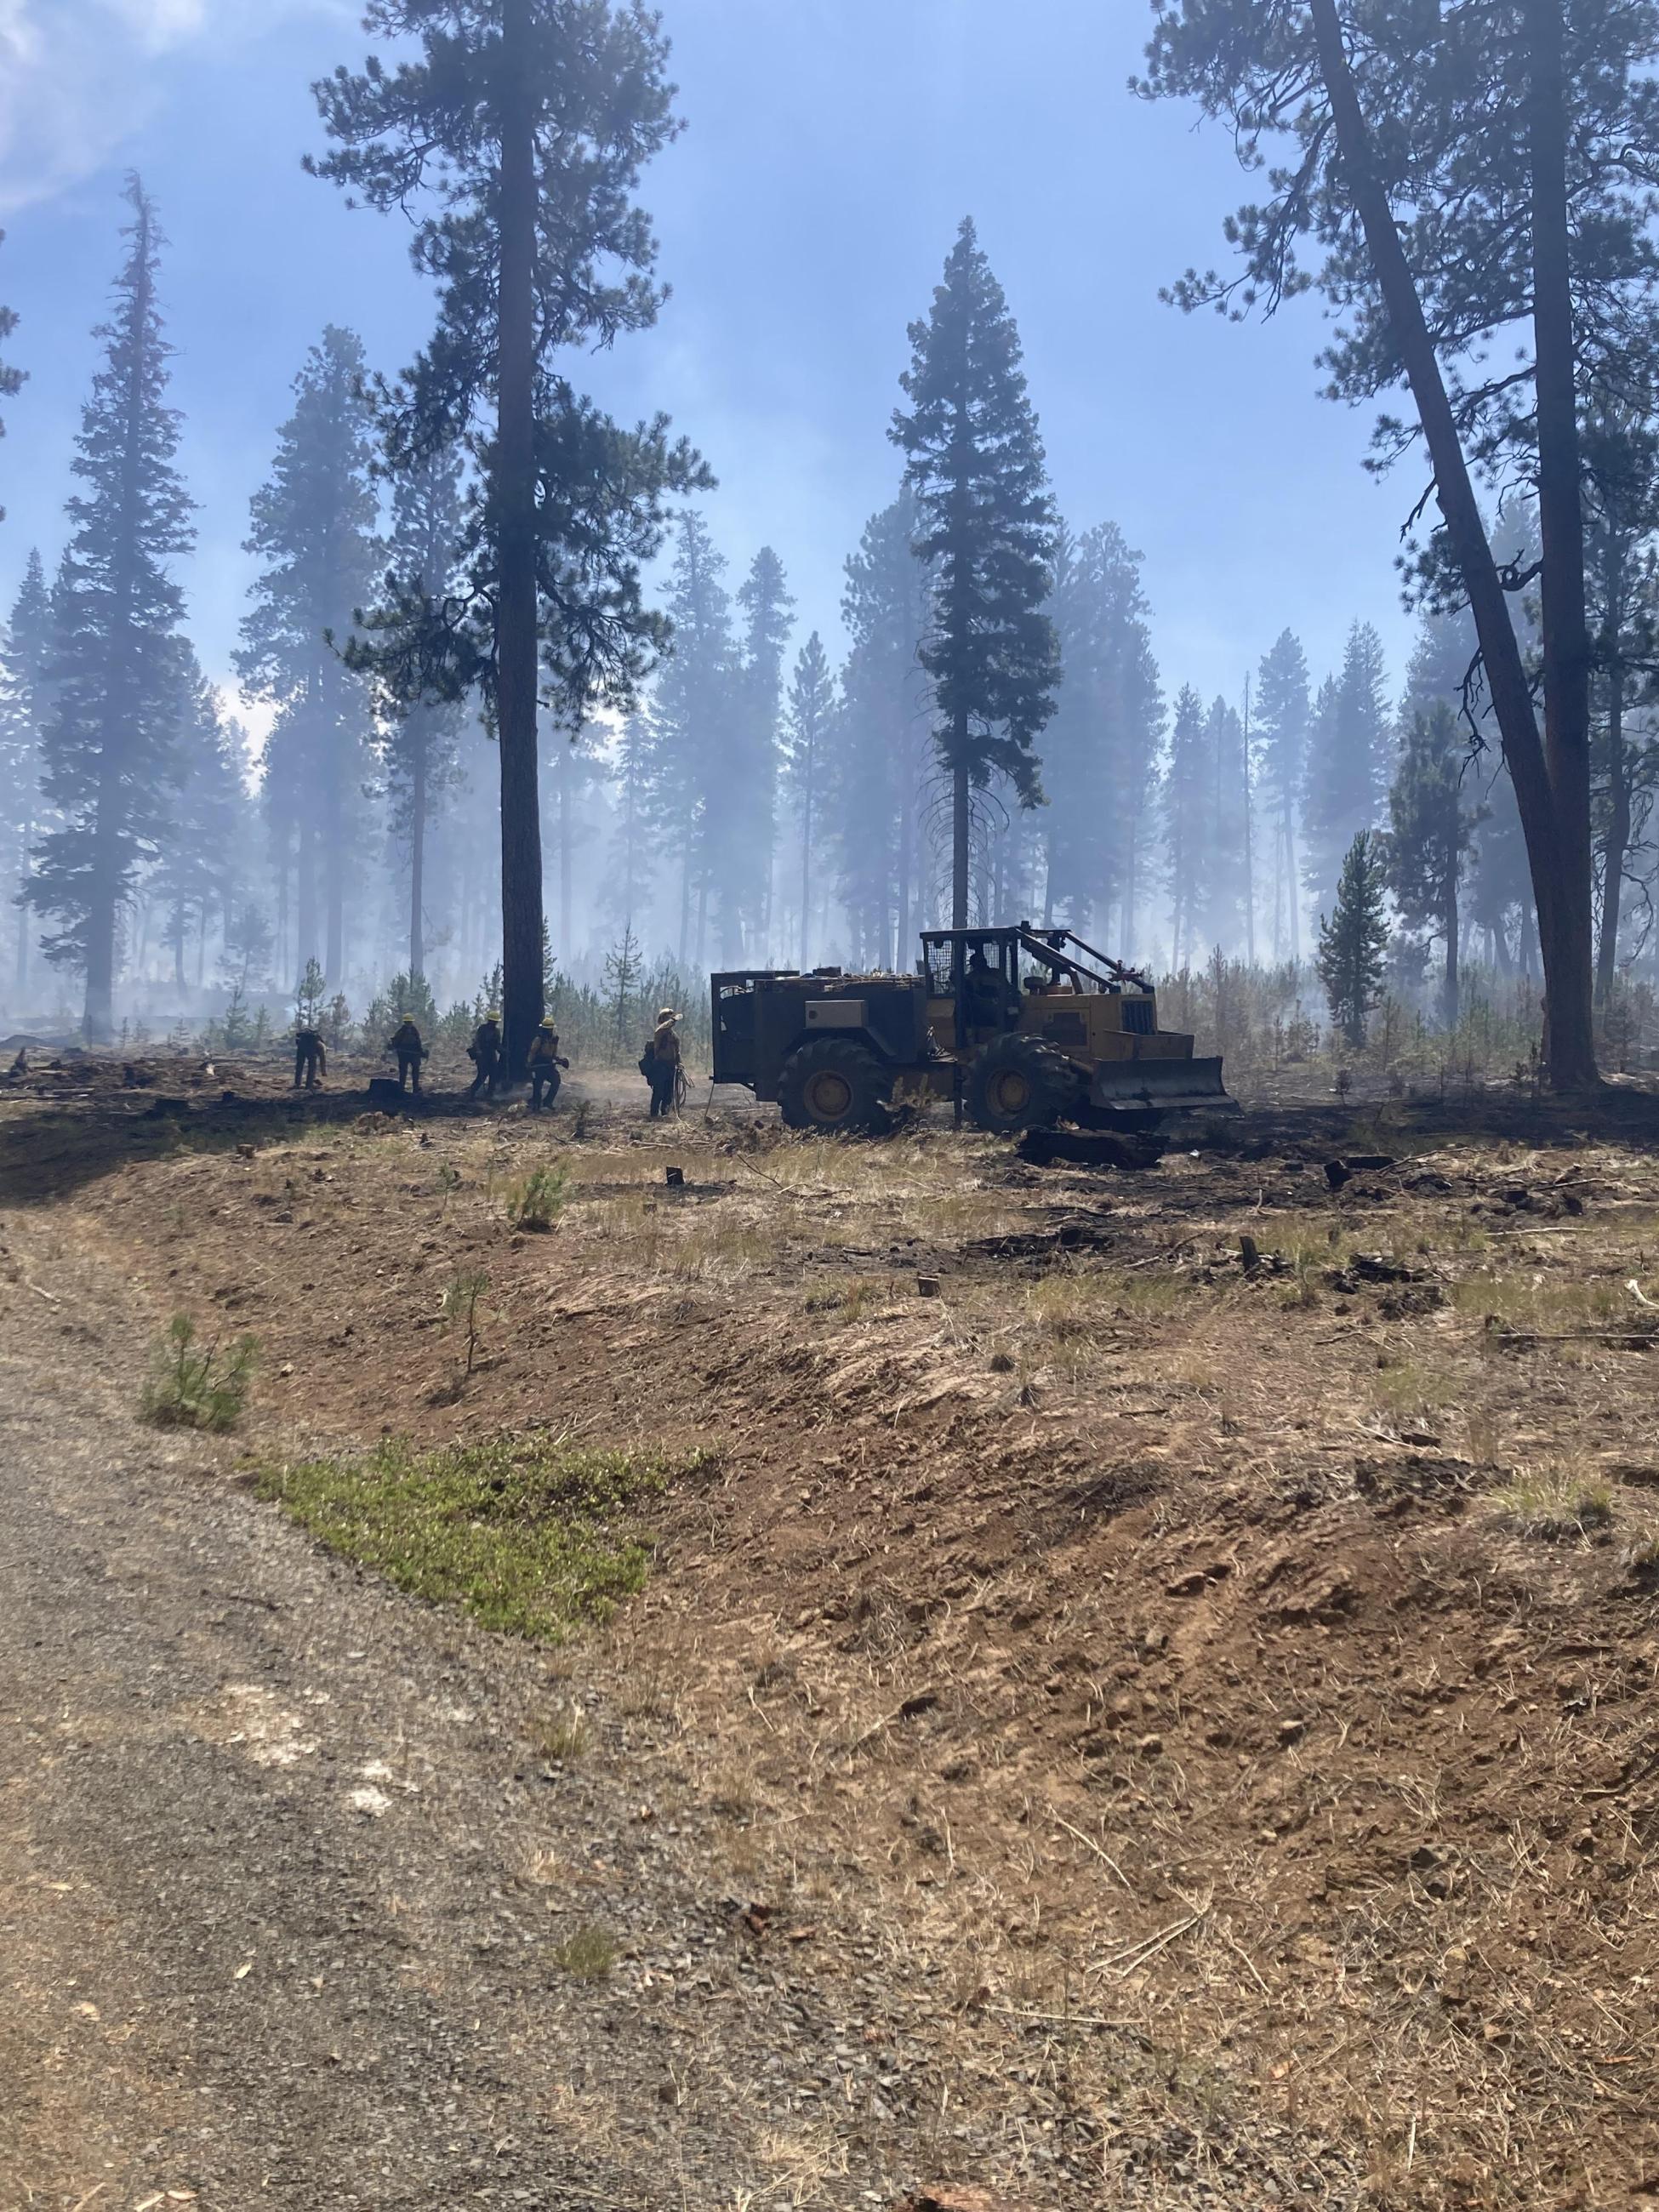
x=1185 y=1641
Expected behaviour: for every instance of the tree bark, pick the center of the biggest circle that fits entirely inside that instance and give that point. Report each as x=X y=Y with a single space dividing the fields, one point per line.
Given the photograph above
x=1292 y=888
x=806 y=855
x=904 y=953
x=1552 y=821
x=960 y=819
x=514 y=498
x=1569 y=1032
x=1616 y=844
x=1250 y=854
x=309 y=946
x=24 y=919
x=417 y=862
x=566 y=770
x=98 y=1018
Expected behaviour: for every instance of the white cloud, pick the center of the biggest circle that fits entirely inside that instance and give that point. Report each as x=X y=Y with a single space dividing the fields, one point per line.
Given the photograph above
x=78 y=77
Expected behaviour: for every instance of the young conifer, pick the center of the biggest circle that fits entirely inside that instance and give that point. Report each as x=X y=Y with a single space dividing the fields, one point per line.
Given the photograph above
x=1352 y=943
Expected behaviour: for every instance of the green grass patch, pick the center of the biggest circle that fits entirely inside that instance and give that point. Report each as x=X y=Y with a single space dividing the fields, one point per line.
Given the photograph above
x=589 y=1954
x=527 y=1537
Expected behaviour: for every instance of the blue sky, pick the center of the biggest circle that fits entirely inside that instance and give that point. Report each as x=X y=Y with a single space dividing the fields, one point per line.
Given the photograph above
x=832 y=148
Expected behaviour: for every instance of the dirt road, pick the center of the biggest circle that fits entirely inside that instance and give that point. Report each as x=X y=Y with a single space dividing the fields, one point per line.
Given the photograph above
x=280 y=1884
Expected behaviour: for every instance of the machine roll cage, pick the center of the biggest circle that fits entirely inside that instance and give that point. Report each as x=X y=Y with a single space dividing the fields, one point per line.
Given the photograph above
x=1046 y=945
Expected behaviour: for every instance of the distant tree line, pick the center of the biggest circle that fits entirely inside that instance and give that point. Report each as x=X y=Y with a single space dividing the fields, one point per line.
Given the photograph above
x=489 y=746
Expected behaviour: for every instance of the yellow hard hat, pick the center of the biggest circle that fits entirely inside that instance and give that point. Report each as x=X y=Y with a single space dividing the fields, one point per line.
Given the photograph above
x=492 y=1013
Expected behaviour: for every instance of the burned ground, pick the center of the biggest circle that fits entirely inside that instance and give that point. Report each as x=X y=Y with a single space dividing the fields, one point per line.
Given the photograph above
x=1170 y=1654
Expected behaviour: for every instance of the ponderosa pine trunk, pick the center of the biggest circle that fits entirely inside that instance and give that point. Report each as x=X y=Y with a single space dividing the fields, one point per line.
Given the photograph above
x=98 y=1019
x=23 y=921
x=565 y=920
x=905 y=950
x=1615 y=840
x=306 y=947
x=1616 y=843
x=514 y=498
x=416 y=863
x=961 y=821
x=1549 y=823
x=1568 y=949
x=806 y=860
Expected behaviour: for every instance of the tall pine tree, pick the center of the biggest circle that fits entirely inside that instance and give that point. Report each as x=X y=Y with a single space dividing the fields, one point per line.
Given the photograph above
x=1349 y=765
x=576 y=767
x=108 y=750
x=1283 y=713
x=749 y=812
x=527 y=122
x=636 y=774
x=881 y=758
x=976 y=460
x=696 y=702
x=25 y=709
x=808 y=724
x=203 y=871
x=421 y=727
x=1431 y=829
x=1475 y=181
x=313 y=527
x=1188 y=812
x=11 y=377
x=1224 y=907
x=1100 y=751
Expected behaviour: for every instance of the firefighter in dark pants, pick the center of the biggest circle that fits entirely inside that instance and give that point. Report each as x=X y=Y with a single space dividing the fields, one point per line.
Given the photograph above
x=665 y=1059
x=545 y=1065
x=485 y=1053
x=405 y=1041
x=310 y=1061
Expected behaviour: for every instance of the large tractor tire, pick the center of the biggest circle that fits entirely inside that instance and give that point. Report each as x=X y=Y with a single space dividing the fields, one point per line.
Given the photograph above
x=1017 y=1084
x=835 y=1086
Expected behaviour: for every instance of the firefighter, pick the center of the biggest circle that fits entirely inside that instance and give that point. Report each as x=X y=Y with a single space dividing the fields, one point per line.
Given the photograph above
x=310 y=1061
x=662 y=1059
x=485 y=1053
x=545 y=1062
x=405 y=1041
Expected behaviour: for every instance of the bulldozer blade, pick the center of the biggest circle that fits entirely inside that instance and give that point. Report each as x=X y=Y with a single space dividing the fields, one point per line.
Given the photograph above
x=1163 y=1086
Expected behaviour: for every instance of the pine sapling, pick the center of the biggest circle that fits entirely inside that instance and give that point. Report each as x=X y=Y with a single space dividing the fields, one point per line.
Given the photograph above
x=1353 y=941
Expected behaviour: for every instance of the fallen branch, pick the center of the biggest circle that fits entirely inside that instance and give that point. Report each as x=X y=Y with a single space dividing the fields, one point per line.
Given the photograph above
x=1099 y=1852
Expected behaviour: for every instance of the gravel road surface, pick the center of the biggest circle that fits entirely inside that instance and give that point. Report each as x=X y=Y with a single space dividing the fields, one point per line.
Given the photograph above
x=284 y=1878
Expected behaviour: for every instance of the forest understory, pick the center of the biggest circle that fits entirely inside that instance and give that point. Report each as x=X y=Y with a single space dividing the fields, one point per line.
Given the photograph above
x=1141 y=1689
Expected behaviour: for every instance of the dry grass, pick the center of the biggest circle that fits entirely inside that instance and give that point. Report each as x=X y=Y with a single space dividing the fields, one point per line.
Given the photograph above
x=1244 y=1907
x=1412 y=1392
x=1554 y=1502
x=564 y=1736
x=1545 y=1303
